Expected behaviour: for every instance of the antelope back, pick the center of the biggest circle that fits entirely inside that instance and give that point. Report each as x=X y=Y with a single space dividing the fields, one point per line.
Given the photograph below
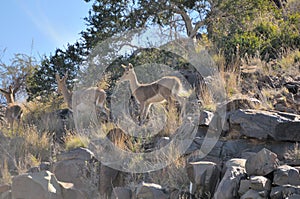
x=92 y=95
x=13 y=112
x=100 y=97
x=171 y=83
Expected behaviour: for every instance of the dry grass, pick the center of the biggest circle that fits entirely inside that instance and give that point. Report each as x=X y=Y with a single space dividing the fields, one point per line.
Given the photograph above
x=30 y=143
x=123 y=141
x=6 y=177
x=23 y=151
x=289 y=61
x=232 y=83
x=174 y=175
x=33 y=142
x=43 y=115
x=207 y=101
x=173 y=120
x=75 y=141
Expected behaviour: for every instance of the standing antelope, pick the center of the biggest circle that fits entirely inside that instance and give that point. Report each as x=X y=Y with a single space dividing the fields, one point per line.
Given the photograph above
x=81 y=100
x=62 y=89
x=13 y=112
x=165 y=89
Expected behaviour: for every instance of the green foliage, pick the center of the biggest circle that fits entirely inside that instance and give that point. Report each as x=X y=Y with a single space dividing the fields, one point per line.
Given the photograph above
x=16 y=73
x=256 y=26
x=237 y=27
x=76 y=141
x=43 y=83
x=107 y=18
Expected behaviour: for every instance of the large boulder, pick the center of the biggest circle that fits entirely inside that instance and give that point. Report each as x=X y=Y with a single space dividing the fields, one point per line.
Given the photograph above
x=195 y=150
x=262 y=163
x=242 y=148
x=244 y=186
x=43 y=185
x=77 y=167
x=204 y=177
x=286 y=175
x=4 y=188
x=286 y=151
x=229 y=185
x=121 y=193
x=69 y=192
x=261 y=184
x=252 y=194
x=5 y=191
x=234 y=162
x=150 y=191
x=107 y=179
x=264 y=124
x=284 y=191
x=77 y=153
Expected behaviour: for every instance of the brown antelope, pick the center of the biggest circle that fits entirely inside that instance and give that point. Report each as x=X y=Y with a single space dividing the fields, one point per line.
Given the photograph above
x=62 y=89
x=13 y=112
x=165 y=89
x=81 y=100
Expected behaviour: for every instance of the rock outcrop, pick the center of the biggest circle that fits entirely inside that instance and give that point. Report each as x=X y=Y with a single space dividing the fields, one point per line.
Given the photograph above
x=43 y=185
x=260 y=161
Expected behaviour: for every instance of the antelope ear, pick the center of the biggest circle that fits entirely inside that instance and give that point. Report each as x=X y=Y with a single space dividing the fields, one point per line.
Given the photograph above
x=66 y=75
x=130 y=65
x=57 y=76
x=123 y=66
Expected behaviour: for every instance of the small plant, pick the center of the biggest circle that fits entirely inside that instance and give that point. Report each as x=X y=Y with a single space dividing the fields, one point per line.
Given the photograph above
x=207 y=102
x=290 y=60
x=5 y=175
x=173 y=120
x=175 y=175
x=76 y=141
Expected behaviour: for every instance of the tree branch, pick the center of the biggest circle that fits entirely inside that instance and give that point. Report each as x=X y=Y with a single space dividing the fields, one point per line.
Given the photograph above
x=3 y=91
x=187 y=20
x=191 y=31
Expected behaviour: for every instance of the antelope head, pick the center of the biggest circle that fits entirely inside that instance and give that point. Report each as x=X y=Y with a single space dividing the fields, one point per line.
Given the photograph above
x=129 y=72
x=61 y=82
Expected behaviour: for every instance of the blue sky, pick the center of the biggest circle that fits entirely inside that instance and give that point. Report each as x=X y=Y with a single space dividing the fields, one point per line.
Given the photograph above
x=38 y=27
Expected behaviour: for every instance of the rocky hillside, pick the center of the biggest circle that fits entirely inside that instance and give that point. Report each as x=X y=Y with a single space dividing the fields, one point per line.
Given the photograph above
x=257 y=156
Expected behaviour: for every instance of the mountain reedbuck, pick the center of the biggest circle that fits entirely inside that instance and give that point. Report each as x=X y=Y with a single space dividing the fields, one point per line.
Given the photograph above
x=165 y=89
x=13 y=112
x=83 y=100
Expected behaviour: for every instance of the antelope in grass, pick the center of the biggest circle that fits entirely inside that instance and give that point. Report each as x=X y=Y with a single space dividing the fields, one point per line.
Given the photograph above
x=13 y=112
x=62 y=89
x=81 y=100
x=165 y=89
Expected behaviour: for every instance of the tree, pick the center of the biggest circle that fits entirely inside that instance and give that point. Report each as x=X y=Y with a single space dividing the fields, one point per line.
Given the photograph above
x=42 y=82
x=227 y=26
x=107 y=17
x=14 y=76
x=256 y=26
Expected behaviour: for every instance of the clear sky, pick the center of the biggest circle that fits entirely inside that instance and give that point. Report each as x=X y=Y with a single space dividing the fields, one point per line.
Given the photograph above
x=38 y=27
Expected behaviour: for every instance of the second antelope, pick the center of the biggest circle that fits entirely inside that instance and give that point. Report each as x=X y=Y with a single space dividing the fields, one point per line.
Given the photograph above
x=13 y=112
x=81 y=100
x=165 y=89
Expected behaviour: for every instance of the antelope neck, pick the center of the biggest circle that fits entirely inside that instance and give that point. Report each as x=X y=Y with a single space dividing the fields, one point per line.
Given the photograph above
x=67 y=95
x=134 y=84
